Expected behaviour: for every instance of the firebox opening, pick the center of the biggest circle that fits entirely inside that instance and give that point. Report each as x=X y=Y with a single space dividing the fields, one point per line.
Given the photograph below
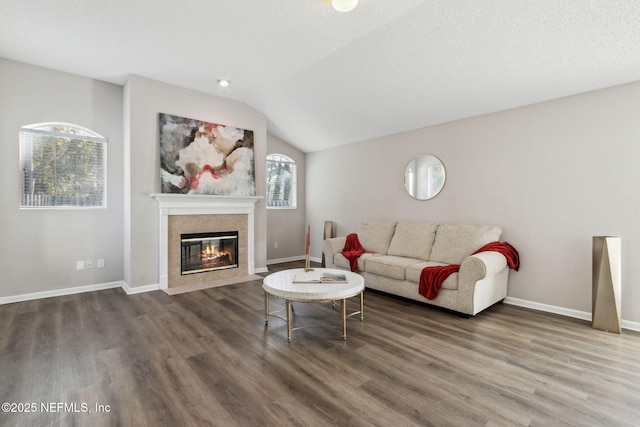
x=203 y=252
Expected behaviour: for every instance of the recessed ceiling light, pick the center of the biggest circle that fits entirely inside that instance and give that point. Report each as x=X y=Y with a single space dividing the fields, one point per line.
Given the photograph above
x=344 y=5
x=223 y=82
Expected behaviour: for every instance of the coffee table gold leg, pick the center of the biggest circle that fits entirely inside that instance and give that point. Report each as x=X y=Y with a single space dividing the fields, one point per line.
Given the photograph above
x=288 y=308
x=266 y=308
x=361 y=306
x=343 y=306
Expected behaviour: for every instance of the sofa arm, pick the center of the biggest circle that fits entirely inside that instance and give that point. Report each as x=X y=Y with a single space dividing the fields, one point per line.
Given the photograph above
x=330 y=247
x=483 y=265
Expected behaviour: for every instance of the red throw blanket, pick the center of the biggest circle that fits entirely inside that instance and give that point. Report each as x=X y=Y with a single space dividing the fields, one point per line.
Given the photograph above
x=352 y=250
x=431 y=278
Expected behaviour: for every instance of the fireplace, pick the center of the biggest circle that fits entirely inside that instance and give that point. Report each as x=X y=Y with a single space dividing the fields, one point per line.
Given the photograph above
x=181 y=214
x=202 y=252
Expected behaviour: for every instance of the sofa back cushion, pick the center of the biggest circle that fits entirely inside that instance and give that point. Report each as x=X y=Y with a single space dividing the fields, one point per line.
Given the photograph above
x=413 y=239
x=456 y=242
x=376 y=236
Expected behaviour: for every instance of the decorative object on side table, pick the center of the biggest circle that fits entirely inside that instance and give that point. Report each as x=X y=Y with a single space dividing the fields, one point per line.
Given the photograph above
x=307 y=263
x=328 y=234
x=605 y=297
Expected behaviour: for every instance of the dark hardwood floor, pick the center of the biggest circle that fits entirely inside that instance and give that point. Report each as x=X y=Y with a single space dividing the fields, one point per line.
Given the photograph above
x=206 y=358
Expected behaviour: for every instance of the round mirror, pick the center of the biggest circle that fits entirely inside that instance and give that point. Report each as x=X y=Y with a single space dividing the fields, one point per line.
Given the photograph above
x=424 y=177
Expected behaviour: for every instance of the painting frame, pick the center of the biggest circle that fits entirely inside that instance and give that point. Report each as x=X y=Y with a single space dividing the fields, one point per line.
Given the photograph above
x=199 y=157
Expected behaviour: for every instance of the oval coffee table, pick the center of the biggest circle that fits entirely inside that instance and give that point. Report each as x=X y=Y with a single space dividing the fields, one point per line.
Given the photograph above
x=281 y=284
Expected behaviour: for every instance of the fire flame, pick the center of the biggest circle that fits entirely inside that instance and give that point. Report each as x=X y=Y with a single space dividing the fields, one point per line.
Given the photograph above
x=210 y=253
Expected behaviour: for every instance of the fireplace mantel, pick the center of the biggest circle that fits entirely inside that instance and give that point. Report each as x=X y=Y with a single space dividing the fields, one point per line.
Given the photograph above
x=184 y=204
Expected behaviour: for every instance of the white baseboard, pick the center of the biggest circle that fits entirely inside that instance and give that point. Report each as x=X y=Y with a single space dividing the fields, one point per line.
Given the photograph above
x=60 y=292
x=261 y=270
x=290 y=259
x=139 y=289
x=577 y=314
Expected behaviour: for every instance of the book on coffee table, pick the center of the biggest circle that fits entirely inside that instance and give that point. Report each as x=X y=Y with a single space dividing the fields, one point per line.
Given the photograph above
x=318 y=277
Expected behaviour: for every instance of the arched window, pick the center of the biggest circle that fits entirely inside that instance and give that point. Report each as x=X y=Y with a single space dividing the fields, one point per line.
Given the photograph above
x=62 y=165
x=281 y=182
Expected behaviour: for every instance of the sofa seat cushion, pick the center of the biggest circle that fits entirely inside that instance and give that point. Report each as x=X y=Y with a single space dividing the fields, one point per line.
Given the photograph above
x=389 y=266
x=413 y=239
x=413 y=272
x=376 y=236
x=340 y=261
x=456 y=242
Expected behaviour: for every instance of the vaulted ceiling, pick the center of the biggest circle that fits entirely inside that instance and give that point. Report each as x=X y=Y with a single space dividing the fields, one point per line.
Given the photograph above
x=325 y=78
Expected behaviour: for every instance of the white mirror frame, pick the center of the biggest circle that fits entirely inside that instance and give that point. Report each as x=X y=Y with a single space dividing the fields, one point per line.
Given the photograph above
x=424 y=177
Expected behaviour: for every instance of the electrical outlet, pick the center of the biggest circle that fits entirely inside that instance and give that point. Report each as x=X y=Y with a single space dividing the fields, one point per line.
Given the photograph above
x=79 y=265
x=275 y=245
x=89 y=263
x=100 y=263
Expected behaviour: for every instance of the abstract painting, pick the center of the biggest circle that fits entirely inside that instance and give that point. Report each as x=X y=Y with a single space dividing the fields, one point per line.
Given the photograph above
x=198 y=157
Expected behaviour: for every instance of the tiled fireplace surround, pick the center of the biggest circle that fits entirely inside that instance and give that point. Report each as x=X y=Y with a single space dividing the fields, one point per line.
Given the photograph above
x=180 y=214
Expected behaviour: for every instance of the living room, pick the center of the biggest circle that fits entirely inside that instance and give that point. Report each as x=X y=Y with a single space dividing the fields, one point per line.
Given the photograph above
x=551 y=174
x=543 y=190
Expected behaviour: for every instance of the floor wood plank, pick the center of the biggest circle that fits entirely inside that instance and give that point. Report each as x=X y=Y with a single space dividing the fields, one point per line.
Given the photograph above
x=207 y=358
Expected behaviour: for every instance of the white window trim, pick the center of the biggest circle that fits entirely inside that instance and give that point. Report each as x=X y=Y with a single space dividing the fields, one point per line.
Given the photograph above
x=84 y=134
x=282 y=158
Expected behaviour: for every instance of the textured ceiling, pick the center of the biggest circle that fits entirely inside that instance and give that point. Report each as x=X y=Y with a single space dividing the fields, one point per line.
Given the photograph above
x=325 y=78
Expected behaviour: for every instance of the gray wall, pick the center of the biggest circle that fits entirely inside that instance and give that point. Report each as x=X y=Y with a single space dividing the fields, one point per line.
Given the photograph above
x=552 y=175
x=144 y=99
x=39 y=248
x=287 y=227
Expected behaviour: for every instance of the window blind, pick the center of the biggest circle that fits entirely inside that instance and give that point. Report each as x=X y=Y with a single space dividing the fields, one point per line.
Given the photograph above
x=281 y=182
x=62 y=166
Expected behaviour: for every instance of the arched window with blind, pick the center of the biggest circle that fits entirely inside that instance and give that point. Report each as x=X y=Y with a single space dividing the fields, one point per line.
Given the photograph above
x=281 y=182
x=62 y=165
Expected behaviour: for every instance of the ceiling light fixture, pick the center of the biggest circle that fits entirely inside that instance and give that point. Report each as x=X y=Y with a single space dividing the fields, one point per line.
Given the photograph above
x=223 y=82
x=344 y=5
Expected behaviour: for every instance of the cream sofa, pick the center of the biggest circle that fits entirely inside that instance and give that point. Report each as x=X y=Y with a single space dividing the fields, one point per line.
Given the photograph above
x=396 y=253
